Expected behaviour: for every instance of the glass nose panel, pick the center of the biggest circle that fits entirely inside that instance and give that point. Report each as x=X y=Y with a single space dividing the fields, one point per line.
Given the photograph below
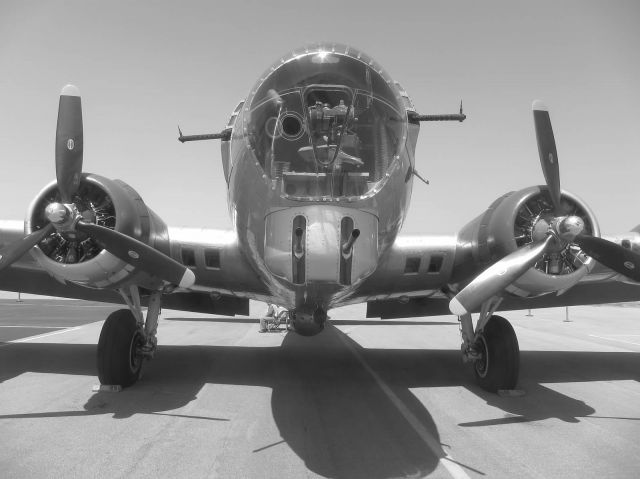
x=325 y=125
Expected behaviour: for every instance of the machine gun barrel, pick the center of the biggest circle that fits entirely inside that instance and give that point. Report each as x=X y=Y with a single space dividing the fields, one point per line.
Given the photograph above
x=447 y=117
x=348 y=246
x=224 y=135
x=413 y=116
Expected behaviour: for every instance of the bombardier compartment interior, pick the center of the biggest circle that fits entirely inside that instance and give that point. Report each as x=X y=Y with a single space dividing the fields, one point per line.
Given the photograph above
x=325 y=125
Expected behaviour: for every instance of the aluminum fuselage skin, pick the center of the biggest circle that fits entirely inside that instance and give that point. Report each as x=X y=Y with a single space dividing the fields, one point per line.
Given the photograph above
x=252 y=199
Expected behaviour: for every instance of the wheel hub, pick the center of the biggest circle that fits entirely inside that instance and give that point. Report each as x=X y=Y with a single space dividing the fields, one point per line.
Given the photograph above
x=481 y=364
x=136 y=354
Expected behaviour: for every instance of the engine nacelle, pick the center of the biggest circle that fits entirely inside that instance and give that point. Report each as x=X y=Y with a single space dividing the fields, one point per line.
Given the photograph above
x=81 y=260
x=515 y=220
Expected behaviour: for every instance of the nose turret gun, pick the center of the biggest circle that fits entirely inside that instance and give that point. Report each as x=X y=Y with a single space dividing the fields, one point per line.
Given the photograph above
x=298 y=251
x=298 y=263
x=347 y=248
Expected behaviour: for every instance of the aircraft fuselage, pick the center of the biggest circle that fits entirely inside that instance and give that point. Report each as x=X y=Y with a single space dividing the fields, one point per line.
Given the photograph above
x=320 y=159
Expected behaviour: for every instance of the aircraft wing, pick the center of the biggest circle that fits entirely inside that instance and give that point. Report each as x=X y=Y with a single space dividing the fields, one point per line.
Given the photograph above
x=413 y=277
x=224 y=280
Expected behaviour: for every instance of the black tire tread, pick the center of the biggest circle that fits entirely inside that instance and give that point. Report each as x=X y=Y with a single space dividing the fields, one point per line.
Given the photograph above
x=504 y=355
x=113 y=349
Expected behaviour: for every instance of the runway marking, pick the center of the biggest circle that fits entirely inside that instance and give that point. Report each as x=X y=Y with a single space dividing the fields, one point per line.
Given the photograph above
x=39 y=336
x=451 y=465
x=623 y=335
x=610 y=338
x=30 y=326
x=26 y=305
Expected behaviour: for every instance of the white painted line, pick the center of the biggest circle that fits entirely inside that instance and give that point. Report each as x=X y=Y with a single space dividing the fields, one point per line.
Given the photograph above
x=443 y=458
x=623 y=335
x=45 y=335
x=26 y=305
x=609 y=338
x=31 y=326
x=39 y=336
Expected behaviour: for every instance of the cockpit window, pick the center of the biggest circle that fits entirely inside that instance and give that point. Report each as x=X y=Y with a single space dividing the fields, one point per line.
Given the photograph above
x=325 y=123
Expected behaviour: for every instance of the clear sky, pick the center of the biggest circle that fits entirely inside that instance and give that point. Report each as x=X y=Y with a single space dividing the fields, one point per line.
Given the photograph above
x=143 y=67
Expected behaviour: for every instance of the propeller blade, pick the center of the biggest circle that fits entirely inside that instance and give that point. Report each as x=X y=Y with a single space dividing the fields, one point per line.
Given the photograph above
x=16 y=250
x=139 y=255
x=547 y=152
x=612 y=255
x=69 y=143
x=497 y=277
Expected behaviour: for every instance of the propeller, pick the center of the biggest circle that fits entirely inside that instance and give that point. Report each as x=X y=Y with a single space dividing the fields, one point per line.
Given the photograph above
x=563 y=230
x=65 y=218
x=69 y=143
x=14 y=252
x=612 y=255
x=497 y=277
x=547 y=152
x=138 y=254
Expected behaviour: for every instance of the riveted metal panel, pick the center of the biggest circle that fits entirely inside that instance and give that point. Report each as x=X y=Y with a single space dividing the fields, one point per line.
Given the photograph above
x=322 y=242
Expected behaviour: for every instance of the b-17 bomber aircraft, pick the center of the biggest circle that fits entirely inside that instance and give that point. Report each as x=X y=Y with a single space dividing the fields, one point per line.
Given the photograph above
x=319 y=160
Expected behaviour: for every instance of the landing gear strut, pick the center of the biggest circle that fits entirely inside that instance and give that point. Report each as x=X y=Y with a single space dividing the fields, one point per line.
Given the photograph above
x=492 y=348
x=127 y=339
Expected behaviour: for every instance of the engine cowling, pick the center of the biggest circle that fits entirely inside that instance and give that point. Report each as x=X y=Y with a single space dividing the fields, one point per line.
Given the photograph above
x=76 y=258
x=515 y=220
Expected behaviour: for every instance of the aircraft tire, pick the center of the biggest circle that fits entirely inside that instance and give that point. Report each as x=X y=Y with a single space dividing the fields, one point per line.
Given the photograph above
x=118 y=360
x=500 y=362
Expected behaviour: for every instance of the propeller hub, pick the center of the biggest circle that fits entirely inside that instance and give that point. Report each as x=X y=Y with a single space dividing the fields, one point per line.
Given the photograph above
x=61 y=215
x=56 y=213
x=568 y=227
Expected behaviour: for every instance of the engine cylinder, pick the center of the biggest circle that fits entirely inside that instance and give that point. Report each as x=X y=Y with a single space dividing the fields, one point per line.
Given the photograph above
x=516 y=220
x=74 y=257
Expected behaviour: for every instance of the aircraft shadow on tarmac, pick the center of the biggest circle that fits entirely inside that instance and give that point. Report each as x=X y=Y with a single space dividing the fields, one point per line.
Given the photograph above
x=328 y=408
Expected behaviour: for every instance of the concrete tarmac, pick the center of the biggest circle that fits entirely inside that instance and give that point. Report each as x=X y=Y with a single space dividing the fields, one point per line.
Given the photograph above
x=364 y=399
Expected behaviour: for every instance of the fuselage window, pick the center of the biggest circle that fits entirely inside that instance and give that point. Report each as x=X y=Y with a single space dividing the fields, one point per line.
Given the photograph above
x=435 y=264
x=188 y=257
x=412 y=265
x=212 y=258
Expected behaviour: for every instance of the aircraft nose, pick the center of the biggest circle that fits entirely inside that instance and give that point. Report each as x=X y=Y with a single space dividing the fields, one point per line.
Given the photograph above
x=320 y=243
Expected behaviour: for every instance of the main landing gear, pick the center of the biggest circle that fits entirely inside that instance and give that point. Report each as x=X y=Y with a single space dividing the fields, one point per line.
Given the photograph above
x=127 y=339
x=492 y=348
